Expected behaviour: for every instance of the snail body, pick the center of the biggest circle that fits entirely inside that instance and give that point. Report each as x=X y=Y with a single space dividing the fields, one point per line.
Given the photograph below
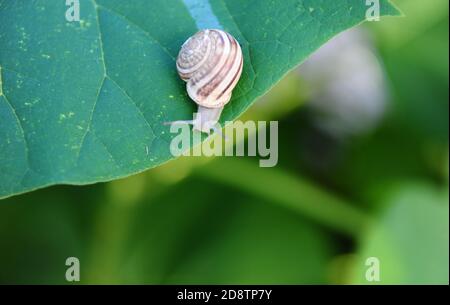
x=210 y=62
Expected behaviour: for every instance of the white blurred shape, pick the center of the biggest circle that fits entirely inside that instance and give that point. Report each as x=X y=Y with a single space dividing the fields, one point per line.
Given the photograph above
x=348 y=88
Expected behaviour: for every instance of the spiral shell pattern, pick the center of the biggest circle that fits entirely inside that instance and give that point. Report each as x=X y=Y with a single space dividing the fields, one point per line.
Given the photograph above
x=211 y=64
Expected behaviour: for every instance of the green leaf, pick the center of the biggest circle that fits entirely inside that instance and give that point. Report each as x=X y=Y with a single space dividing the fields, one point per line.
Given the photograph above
x=411 y=239
x=82 y=102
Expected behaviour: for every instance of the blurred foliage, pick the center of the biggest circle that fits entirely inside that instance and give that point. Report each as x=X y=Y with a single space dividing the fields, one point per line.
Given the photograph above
x=410 y=239
x=328 y=206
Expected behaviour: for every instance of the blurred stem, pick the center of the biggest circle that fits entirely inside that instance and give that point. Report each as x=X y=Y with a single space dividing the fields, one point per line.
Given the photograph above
x=289 y=191
x=114 y=217
x=111 y=228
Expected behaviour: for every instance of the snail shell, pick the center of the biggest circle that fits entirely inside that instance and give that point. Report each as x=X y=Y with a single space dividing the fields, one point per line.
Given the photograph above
x=211 y=64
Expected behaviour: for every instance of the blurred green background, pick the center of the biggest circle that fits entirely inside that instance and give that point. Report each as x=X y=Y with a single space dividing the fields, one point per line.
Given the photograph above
x=334 y=200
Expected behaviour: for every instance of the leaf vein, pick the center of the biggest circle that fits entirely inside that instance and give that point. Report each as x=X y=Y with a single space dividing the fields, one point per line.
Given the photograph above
x=146 y=33
x=19 y=123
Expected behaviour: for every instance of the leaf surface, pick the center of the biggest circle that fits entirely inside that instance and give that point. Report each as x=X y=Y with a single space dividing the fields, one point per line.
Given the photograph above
x=83 y=102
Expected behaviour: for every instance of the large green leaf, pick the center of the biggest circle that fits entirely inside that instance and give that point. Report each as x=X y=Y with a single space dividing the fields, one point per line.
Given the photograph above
x=410 y=240
x=82 y=102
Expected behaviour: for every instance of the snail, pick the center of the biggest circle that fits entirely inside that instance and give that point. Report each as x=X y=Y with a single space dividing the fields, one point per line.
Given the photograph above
x=210 y=62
